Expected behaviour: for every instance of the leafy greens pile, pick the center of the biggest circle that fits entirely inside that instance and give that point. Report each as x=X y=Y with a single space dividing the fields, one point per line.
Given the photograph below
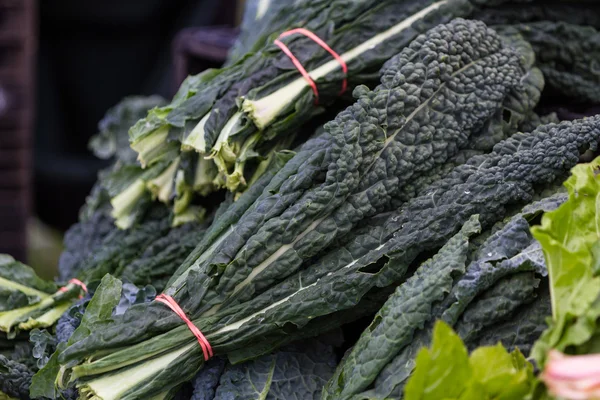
x=94 y=246
x=406 y=216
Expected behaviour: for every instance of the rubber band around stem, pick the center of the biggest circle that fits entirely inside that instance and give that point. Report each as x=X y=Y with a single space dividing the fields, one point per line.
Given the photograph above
x=76 y=282
x=172 y=304
x=299 y=65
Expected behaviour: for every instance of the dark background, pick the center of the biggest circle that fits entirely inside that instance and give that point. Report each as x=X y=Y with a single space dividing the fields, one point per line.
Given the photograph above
x=91 y=54
x=63 y=64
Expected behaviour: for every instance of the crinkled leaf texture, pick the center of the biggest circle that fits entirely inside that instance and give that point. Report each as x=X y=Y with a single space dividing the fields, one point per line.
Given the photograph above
x=501 y=278
x=486 y=185
x=14 y=379
x=520 y=329
x=419 y=114
x=295 y=372
x=206 y=381
x=503 y=178
x=568 y=56
x=399 y=120
x=404 y=312
x=83 y=239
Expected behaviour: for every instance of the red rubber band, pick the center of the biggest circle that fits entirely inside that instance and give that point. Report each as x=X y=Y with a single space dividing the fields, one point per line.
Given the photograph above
x=299 y=66
x=325 y=46
x=76 y=282
x=172 y=304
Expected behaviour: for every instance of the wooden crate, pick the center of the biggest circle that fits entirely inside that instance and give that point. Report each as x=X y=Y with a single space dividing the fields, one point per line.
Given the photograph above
x=17 y=57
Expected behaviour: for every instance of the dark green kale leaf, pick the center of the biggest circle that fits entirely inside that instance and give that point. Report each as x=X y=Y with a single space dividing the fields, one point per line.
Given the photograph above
x=533 y=120
x=371 y=302
x=578 y=12
x=485 y=185
x=206 y=381
x=17 y=365
x=568 y=56
x=496 y=303
x=496 y=284
x=158 y=259
x=120 y=247
x=404 y=312
x=296 y=371
x=521 y=328
x=15 y=378
x=82 y=240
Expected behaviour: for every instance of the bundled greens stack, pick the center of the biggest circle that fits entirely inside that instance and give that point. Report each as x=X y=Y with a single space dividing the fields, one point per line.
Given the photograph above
x=555 y=141
x=412 y=205
x=248 y=286
x=222 y=127
x=27 y=300
x=147 y=253
x=469 y=289
x=223 y=123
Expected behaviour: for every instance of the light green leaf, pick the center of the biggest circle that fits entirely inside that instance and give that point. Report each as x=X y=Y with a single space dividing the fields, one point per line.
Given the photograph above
x=445 y=371
x=100 y=307
x=502 y=375
x=569 y=238
x=98 y=311
x=475 y=391
x=441 y=372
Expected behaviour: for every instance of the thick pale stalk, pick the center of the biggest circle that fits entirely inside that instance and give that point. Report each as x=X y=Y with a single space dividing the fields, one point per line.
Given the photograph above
x=264 y=111
x=5 y=283
x=161 y=187
x=150 y=147
x=124 y=203
x=195 y=140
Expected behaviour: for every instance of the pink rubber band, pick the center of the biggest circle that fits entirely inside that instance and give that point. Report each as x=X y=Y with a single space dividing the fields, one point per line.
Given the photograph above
x=299 y=66
x=76 y=282
x=172 y=304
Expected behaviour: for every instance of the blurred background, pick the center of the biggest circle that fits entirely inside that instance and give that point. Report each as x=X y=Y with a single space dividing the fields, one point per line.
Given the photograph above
x=63 y=63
